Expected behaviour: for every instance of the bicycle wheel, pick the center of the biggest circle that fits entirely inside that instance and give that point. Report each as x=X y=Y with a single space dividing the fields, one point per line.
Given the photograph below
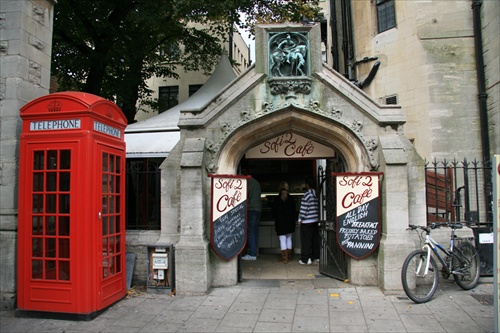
x=466 y=264
x=418 y=286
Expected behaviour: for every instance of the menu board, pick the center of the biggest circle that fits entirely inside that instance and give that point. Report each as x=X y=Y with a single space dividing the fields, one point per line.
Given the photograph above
x=228 y=225
x=358 y=212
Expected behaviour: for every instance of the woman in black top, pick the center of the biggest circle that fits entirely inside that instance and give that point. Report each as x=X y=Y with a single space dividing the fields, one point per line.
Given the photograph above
x=285 y=216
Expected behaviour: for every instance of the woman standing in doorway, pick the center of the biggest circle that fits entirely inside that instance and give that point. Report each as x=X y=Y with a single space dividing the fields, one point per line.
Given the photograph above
x=285 y=217
x=308 y=221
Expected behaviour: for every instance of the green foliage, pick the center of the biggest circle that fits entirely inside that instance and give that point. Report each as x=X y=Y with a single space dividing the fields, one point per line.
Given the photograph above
x=111 y=47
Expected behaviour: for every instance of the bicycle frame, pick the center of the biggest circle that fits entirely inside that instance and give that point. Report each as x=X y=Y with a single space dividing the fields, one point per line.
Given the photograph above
x=433 y=245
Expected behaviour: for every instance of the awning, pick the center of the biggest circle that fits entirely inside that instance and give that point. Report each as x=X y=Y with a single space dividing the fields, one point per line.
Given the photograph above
x=150 y=144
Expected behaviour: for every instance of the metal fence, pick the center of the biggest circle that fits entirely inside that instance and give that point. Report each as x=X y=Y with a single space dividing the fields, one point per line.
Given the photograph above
x=459 y=191
x=462 y=191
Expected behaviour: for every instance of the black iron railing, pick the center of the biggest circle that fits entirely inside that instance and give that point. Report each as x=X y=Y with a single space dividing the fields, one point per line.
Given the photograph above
x=459 y=191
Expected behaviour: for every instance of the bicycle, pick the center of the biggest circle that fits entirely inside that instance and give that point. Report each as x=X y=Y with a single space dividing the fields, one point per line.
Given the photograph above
x=420 y=273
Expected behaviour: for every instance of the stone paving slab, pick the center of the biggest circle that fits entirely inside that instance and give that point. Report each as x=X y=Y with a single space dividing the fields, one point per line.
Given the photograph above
x=272 y=306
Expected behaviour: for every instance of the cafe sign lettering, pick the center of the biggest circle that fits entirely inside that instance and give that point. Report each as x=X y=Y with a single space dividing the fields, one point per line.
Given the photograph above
x=290 y=145
x=358 y=212
x=228 y=222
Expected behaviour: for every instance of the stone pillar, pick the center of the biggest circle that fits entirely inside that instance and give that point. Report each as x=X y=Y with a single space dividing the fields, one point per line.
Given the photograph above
x=25 y=52
x=395 y=243
x=191 y=253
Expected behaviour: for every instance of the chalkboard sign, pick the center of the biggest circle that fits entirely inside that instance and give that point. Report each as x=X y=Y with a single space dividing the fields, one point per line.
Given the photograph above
x=228 y=227
x=358 y=212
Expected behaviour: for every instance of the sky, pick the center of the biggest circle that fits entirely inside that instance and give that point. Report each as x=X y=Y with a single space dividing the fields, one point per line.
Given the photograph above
x=248 y=41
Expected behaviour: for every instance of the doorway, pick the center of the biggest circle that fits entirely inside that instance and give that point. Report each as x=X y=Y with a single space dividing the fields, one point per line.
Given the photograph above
x=269 y=173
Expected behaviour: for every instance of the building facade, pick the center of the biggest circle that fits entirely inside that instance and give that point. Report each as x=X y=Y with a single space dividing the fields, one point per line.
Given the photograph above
x=422 y=101
x=404 y=59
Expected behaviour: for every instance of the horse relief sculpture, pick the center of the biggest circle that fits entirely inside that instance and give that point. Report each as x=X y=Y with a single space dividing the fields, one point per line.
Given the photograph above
x=288 y=55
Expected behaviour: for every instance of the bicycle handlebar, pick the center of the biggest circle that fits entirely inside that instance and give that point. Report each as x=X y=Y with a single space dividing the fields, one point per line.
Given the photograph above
x=435 y=226
x=425 y=228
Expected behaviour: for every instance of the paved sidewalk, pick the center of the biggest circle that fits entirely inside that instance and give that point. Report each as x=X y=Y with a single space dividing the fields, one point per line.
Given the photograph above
x=285 y=306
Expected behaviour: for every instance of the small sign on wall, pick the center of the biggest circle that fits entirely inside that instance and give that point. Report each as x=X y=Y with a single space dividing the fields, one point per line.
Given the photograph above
x=358 y=212
x=228 y=223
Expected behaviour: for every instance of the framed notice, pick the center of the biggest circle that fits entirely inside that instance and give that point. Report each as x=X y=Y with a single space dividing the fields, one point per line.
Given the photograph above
x=358 y=212
x=228 y=222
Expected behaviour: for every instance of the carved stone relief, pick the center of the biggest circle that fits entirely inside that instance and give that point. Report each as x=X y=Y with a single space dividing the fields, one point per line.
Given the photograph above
x=35 y=73
x=288 y=54
x=39 y=14
x=290 y=86
x=356 y=127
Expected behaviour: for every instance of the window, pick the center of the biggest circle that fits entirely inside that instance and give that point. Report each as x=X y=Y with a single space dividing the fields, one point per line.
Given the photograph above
x=170 y=52
x=111 y=213
x=194 y=88
x=50 y=209
x=391 y=100
x=386 y=15
x=143 y=193
x=168 y=97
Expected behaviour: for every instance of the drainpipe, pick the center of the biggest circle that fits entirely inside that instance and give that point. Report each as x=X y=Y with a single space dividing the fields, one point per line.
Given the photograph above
x=483 y=110
x=335 y=42
x=481 y=81
x=345 y=40
x=230 y=41
x=353 y=74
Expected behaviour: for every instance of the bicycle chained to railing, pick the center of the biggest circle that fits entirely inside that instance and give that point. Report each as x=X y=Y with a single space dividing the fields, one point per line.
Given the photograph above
x=420 y=273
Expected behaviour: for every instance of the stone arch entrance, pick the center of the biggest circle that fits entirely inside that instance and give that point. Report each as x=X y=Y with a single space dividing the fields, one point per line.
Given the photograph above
x=347 y=145
x=321 y=106
x=322 y=130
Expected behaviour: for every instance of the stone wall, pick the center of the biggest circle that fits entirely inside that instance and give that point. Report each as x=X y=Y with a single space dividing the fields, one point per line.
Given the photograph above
x=25 y=56
x=428 y=62
x=491 y=48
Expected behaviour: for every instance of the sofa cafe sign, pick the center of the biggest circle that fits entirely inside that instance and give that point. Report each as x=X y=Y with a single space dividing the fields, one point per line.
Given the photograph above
x=228 y=222
x=290 y=145
x=358 y=212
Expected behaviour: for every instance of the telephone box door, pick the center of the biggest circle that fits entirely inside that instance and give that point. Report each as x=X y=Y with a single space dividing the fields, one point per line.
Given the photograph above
x=52 y=269
x=111 y=224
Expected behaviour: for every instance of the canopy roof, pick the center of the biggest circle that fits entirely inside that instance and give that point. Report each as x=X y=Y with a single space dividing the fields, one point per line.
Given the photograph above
x=156 y=136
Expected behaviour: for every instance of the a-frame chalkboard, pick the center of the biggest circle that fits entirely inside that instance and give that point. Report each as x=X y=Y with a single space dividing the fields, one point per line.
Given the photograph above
x=228 y=222
x=358 y=212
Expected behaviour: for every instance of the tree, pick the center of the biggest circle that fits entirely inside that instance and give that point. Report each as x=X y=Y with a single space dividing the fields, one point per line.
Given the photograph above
x=111 y=47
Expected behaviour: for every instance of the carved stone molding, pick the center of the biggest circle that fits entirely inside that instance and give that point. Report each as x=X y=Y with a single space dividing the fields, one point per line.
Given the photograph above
x=35 y=73
x=4 y=46
x=39 y=14
x=37 y=43
x=355 y=126
x=290 y=86
x=2 y=20
x=2 y=88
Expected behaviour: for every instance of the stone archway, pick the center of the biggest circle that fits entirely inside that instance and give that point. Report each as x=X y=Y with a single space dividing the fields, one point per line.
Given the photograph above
x=315 y=127
x=322 y=107
x=319 y=129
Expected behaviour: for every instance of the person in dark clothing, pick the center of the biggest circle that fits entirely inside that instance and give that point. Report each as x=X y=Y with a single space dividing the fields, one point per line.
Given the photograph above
x=254 y=213
x=308 y=221
x=284 y=216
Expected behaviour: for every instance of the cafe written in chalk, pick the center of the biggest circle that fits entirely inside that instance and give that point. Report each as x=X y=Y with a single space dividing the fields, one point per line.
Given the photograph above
x=358 y=212
x=228 y=227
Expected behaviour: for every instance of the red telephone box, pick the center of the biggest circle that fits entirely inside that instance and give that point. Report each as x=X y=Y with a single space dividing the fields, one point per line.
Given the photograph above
x=71 y=227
